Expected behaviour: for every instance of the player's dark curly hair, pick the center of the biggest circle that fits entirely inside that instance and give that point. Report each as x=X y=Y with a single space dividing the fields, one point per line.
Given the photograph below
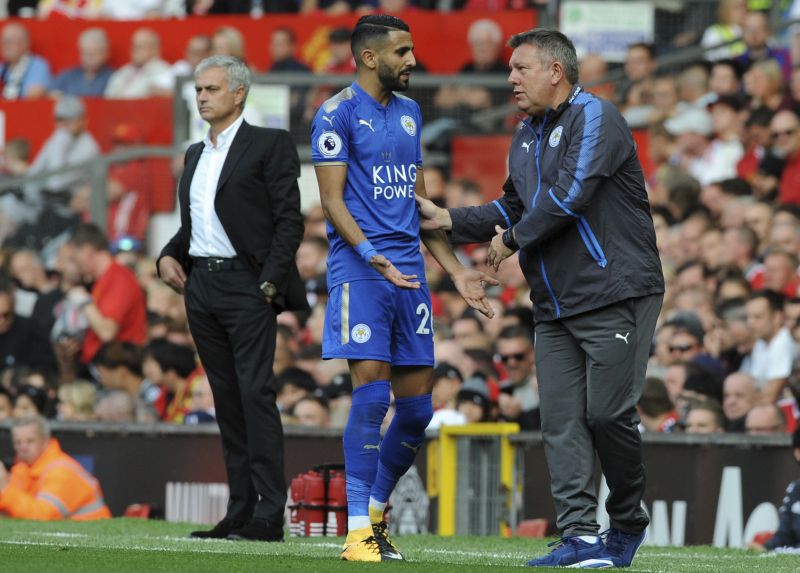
x=373 y=27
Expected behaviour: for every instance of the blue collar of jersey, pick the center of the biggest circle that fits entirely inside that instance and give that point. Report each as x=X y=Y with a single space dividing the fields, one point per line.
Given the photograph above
x=364 y=95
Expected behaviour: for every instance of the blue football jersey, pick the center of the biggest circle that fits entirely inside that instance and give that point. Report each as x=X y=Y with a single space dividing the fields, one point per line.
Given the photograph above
x=381 y=148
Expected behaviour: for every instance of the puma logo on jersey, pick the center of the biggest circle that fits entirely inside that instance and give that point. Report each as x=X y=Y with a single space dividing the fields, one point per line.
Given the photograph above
x=625 y=338
x=367 y=123
x=372 y=447
x=329 y=120
x=527 y=145
x=410 y=447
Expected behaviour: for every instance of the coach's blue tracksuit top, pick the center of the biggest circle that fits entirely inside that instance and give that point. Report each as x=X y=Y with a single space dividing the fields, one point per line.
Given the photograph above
x=575 y=195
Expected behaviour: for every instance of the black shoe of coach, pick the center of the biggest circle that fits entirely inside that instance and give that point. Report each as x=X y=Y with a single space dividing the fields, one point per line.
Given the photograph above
x=258 y=530
x=220 y=530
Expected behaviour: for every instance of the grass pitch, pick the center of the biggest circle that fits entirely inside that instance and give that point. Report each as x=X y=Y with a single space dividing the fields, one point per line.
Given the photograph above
x=129 y=545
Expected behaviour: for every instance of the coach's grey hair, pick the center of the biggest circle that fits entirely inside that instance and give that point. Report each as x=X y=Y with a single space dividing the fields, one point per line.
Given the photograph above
x=38 y=421
x=552 y=45
x=236 y=70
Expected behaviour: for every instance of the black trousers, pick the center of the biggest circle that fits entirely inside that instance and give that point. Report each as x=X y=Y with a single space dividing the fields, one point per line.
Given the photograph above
x=591 y=369
x=234 y=330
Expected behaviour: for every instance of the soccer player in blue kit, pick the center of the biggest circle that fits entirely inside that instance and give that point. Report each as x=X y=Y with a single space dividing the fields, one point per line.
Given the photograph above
x=368 y=160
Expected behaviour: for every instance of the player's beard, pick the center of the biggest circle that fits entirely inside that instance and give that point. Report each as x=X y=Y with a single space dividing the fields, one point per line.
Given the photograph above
x=390 y=80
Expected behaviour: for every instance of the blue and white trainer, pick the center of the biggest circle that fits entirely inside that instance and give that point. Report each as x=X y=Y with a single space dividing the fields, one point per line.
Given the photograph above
x=621 y=547
x=575 y=553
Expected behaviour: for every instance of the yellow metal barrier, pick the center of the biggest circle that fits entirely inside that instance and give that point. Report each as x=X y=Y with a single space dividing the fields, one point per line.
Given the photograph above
x=443 y=468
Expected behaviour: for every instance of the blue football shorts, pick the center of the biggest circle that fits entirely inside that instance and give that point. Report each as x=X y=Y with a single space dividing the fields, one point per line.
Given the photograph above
x=376 y=320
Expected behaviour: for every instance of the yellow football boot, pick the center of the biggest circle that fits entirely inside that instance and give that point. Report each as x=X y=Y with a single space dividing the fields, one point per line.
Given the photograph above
x=388 y=549
x=361 y=545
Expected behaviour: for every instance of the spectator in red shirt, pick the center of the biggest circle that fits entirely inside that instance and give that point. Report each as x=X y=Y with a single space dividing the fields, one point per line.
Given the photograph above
x=128 y=214
x=778 y=274
x=115 y=309
x=785 y=131
x=756 y=140
x=127 y=189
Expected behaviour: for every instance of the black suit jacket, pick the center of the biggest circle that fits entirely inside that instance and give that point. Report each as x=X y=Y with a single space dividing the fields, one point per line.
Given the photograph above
x=258 y=204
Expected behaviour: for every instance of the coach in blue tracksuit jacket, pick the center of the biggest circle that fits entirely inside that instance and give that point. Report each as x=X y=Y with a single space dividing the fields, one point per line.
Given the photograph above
x=576 y=209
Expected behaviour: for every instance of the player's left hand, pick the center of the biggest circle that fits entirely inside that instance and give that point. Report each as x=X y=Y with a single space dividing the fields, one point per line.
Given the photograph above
x=498 y=252
x=471 y=284
x=391 y=274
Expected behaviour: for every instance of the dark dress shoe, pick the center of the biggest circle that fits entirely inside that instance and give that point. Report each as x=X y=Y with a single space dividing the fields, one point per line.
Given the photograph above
x=220 y=530
x=258 y=530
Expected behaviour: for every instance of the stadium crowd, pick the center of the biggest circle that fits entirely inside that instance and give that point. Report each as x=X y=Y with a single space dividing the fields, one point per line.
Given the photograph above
x=155 y=9
x=88 y=332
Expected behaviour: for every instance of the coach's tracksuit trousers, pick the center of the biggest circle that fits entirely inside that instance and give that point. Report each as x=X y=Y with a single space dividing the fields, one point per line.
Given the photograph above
x=591 y=369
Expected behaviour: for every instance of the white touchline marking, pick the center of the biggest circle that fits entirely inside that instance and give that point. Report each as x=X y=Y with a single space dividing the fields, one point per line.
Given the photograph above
x=687 y=555
x=197 y=547
x=127 y=547
x=57 y=534
x=201 y=546
x=475 y=553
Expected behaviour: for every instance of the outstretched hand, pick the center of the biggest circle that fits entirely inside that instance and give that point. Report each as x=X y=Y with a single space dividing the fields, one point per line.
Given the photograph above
x=498 y=252
x=431 y=217
x=391 y=274
x=471 y=284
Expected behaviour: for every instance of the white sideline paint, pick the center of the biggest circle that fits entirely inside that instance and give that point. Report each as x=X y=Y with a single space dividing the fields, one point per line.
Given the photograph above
x=198 y=549
x=126 y=547
x=197 y=546
x=57 y=534
x=201 y=546
x=196 y=543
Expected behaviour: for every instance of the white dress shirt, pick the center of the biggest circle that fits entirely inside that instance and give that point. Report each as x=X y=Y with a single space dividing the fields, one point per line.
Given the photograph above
x=208 y=236
x=771 y=360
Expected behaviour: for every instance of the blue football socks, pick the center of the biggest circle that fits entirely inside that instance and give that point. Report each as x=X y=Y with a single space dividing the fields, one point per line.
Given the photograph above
x=362 y=443
x=400 y=445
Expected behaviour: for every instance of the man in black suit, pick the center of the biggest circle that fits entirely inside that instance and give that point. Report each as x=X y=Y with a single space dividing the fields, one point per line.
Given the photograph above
x=233 y=257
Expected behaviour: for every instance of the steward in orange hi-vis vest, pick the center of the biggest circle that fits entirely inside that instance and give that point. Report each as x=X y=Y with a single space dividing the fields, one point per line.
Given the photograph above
x=45 y=483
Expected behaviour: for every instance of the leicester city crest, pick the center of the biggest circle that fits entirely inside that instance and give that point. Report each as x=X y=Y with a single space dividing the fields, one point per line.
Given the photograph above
x=409 y=125
x=361 y=333
x=555 y=136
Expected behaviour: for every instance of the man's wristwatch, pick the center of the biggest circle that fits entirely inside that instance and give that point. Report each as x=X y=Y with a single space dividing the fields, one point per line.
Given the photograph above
x=509 y=240
x=269 y=290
